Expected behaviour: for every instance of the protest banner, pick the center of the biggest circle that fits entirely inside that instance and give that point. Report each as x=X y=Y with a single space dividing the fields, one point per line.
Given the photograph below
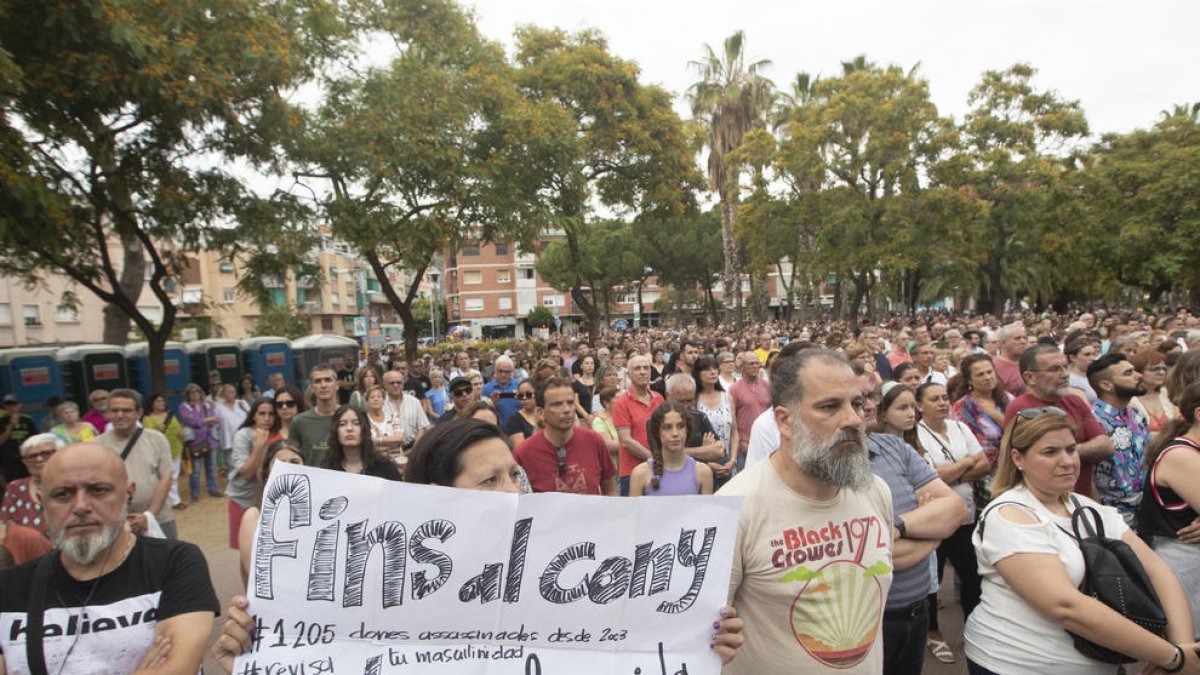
x=353 y=574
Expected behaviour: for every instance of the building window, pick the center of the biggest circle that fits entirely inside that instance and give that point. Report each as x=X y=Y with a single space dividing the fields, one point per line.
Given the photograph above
x=66 y=315
x=333 y=273
x=31 y=315
x=472 y=277
x=503 y=276
x=526 y=273
x=226 y=268
x=502 y=249
x=627 y=298
x=327 y=324
x=474 y=304
x=5 y=314
x=229 y=296
x=469 y=251
x=552 y=301
x=505 y=302
x=335 y=299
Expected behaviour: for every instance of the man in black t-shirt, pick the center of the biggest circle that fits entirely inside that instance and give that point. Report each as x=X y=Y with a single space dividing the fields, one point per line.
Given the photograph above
x=345 y=378
x=111 y=599
x=14 y=429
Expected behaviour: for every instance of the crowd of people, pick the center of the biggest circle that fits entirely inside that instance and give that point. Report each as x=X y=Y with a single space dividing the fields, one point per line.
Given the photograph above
x=871 y=456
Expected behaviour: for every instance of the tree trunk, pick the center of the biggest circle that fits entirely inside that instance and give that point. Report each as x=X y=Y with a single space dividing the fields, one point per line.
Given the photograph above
x=862 y=284
x=836 y=310
x=133 y=275
x=590 y=312
x=402 y=305
x=731 y=277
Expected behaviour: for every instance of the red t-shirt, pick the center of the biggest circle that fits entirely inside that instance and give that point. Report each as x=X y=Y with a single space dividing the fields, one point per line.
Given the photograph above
x=588 y=464
x=631 y=413
x=1009 y=374
x=1087 y=427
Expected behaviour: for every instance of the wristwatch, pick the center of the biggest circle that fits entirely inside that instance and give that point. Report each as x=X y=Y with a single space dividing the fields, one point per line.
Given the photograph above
x=901 y=527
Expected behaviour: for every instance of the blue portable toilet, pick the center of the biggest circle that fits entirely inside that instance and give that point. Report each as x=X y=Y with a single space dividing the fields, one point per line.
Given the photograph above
x=215 y=355
x=86 y=368
x=33 y=375
x=311 y=350
x=262 y=356
x=177 y=370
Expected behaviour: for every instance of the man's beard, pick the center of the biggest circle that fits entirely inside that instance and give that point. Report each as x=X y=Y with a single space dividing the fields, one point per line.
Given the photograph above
x=840 y=461
x=84 y=549
x=1129 y=392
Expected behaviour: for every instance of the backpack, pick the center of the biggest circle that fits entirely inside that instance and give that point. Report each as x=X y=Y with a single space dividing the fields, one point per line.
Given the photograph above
x=1114 y=576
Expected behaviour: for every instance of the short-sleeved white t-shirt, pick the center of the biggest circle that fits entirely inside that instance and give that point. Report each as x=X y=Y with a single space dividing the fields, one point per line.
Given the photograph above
x=960 y=442
x=1007 y=635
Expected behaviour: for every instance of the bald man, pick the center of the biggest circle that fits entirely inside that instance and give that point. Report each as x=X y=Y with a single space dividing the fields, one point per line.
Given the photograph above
x=112 y=600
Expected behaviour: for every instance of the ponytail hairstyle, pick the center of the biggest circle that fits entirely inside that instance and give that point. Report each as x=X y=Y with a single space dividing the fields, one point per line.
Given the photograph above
x=1189 y=400
x=656 y=422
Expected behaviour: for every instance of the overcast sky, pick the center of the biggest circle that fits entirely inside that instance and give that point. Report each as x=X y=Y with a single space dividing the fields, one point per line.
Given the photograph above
x=1124 y=61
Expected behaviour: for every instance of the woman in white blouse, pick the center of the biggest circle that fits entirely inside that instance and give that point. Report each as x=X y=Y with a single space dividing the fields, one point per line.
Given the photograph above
x=953 y=451
x=1032 y=568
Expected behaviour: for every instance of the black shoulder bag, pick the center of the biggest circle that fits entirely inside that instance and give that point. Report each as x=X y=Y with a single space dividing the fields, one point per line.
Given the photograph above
x=1114 y=576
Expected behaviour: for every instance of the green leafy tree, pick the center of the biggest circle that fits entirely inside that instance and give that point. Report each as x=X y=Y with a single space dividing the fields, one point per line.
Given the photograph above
x=617 y=143
x=283 y=321
x=609 y=260
x=868 y=139
x=685 y=253
x=731 y=99
x=1017 y=141
x=1142 y=192
x=117 y=123
x=539 y=316
x=427 y=152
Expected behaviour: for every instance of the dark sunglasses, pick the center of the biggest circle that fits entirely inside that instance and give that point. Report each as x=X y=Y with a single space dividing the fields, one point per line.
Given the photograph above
x=461 y=391
x=285 y=404
x=562 y=461
x=525 y=395
x=1034 y=413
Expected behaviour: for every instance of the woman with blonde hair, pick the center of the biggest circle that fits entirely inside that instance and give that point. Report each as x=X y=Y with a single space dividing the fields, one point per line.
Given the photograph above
x=1032 y=566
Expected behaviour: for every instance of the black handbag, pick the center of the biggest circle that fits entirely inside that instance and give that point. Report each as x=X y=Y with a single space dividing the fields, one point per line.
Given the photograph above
x=1114 y=576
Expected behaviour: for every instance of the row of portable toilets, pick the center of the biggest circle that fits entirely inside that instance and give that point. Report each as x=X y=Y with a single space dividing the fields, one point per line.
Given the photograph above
x=34 y=374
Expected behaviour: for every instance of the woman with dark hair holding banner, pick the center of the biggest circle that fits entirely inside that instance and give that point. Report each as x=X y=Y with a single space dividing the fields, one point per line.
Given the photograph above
x=467 y=454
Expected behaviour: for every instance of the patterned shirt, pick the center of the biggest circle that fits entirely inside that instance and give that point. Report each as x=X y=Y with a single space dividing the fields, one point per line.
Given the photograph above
x=1119 y=479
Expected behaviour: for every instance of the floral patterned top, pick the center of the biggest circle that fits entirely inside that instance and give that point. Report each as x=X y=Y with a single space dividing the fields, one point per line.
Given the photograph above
x=1119 y=479
x=968 y=411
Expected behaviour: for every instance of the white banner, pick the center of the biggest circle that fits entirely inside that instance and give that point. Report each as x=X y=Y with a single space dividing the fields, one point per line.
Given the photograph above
x=353 y=574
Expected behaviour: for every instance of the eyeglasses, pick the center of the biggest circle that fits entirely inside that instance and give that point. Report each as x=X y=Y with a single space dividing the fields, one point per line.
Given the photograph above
x=1156 y=369
x=1034 y=413
x=523 y=395
x=394 y=383
x=285 y=404
x=461 y=391
x=1057 y=370
x=43 y=456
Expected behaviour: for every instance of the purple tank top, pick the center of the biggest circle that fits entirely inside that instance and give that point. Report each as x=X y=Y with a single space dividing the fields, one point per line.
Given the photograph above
x=679 y=482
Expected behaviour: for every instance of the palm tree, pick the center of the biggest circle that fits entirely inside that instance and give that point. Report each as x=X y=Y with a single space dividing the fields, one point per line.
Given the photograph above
x=731 y=98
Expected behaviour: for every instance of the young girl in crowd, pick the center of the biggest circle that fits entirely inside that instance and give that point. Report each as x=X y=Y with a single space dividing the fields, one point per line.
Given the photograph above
x=670 y=470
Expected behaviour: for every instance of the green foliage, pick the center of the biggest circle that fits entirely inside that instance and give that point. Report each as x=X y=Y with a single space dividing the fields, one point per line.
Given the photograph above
x=617 y=142
x=119 y=122
x=1015 y=162
x=1142 y=204
x=282 y=321
x=539 y=316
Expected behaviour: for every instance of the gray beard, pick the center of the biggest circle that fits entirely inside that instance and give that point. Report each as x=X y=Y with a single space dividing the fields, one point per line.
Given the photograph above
x=83 y=550
x=841 y=461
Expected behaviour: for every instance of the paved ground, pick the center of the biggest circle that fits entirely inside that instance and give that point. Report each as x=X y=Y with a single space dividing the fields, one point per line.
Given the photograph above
x=206 y=525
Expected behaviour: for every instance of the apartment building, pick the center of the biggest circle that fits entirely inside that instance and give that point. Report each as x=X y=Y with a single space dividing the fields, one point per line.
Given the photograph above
x=491 y=288
x=205 y=292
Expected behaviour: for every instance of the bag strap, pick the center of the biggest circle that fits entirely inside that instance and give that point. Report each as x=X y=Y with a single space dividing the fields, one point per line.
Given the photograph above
x=34 y=653
x=1082 y=515
x=130 y=443
x=938 y=437
x=170 y=418
x=991 y=507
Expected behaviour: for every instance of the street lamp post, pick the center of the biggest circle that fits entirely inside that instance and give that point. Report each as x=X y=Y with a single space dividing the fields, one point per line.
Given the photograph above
x=433 y=278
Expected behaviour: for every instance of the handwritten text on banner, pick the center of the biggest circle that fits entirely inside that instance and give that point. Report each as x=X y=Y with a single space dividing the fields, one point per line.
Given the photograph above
x=358 y=575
